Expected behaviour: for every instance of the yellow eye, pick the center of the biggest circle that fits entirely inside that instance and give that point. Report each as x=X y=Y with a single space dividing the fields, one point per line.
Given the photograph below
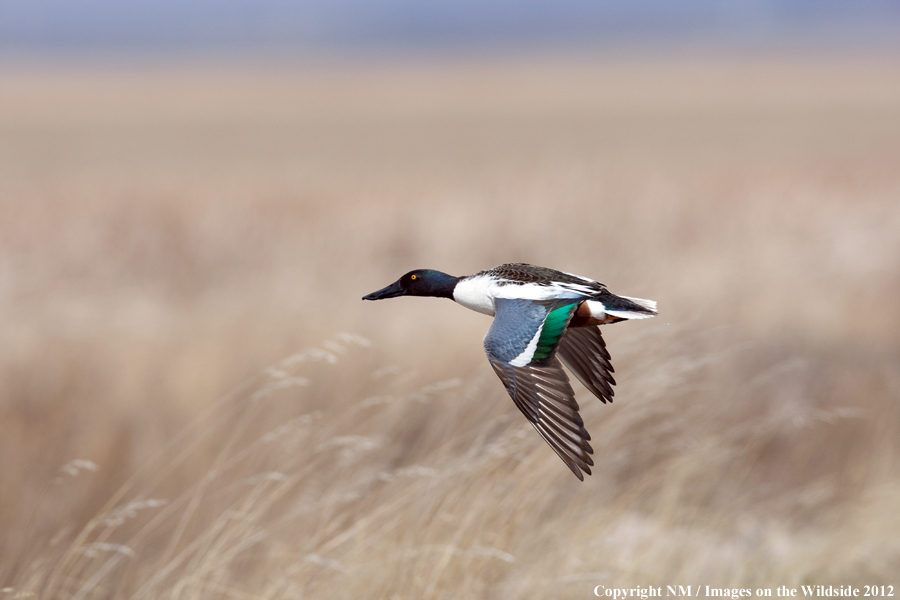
x=412 y=276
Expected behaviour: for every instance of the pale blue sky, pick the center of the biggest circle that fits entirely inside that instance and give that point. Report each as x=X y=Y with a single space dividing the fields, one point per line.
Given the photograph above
x=358 y=26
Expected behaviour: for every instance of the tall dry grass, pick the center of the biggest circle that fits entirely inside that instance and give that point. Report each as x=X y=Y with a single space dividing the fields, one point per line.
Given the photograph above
x=182 y=252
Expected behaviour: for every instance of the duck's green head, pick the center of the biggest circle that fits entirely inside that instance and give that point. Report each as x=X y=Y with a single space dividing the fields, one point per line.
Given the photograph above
x=421 y=282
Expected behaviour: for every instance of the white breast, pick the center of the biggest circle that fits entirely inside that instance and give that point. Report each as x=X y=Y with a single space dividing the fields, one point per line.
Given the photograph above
x=477 y=293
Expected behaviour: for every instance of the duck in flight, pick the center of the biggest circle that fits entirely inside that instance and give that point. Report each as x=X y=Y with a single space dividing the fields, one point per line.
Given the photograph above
x=543 y=318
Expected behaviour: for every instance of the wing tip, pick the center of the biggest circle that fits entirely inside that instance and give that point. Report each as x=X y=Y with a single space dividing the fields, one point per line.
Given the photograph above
x=581 y=472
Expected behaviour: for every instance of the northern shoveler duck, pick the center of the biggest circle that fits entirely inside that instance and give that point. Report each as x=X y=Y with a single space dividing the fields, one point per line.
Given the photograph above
x=541 y=316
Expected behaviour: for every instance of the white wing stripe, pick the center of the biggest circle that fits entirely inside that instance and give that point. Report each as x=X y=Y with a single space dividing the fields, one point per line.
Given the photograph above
x=525 y=358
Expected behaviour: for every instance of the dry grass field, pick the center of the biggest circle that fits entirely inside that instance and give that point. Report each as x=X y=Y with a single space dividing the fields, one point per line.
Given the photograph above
x=196 y=404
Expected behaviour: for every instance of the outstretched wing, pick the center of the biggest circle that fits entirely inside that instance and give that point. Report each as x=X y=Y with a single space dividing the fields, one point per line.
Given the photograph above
x=584 y=352
x=521 y=347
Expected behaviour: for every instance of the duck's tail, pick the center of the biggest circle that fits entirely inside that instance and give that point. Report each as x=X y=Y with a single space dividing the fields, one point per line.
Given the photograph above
x=633 y=308
x=609 y=308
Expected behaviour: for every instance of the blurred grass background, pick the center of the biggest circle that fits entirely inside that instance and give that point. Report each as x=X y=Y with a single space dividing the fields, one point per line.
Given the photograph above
x=183 y=248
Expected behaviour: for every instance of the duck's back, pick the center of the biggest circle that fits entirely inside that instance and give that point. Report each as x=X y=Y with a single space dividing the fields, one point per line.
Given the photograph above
x=522 y=273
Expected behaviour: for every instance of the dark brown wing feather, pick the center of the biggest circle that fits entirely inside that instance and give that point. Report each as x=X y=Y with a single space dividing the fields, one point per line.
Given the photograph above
x=584 y=352
x=543 y=394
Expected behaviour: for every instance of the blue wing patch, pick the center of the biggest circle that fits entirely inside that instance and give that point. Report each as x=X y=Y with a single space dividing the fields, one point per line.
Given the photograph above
x=515 y=325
